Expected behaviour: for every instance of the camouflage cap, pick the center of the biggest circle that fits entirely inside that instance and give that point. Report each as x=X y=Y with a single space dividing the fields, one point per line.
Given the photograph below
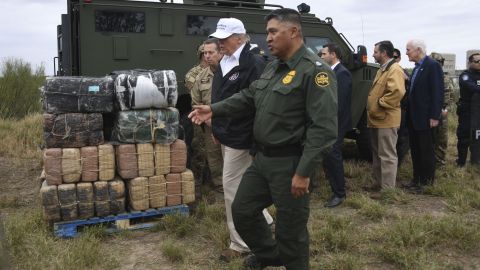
x=200 y=50
x=438 y=57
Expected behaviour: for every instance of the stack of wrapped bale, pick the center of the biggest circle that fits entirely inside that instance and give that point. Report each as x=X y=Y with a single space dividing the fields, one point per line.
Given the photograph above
x=79 y=167
x=151 y=158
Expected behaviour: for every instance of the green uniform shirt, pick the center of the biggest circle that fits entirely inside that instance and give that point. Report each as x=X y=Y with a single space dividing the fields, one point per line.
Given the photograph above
x=295 y=103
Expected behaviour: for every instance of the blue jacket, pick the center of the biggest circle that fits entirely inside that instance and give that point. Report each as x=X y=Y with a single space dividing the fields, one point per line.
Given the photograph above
x=425 y=96
x=236 y=131
x=344 y=93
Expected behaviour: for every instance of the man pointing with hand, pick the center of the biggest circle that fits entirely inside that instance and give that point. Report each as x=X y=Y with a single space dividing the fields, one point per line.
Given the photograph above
x=295 y=124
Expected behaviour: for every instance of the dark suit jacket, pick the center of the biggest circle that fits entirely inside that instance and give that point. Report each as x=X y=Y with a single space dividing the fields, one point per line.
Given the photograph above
x=425 y=97
x=344 y=95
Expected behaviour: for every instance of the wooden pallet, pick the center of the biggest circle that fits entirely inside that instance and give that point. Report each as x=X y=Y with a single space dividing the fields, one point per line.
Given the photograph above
x=69 y=229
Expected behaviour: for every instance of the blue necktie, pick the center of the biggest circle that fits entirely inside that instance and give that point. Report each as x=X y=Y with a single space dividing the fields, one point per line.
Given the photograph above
x=414 y=75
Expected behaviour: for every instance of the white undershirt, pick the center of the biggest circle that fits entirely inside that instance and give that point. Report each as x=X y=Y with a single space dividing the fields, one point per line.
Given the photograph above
x=229 y=62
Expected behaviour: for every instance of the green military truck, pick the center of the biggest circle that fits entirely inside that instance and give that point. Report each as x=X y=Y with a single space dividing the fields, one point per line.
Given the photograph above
x=97 y=37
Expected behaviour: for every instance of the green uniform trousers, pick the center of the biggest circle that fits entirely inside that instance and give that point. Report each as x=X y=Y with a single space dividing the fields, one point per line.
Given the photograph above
x=268 y=180
x=441 y=141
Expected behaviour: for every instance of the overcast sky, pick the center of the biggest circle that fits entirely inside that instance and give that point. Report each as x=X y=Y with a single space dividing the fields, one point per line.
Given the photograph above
x=28 y=27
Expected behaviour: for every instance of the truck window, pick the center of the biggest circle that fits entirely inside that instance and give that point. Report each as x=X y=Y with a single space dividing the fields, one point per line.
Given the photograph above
x=201 y=25
x=316 y=43
x=119 y=21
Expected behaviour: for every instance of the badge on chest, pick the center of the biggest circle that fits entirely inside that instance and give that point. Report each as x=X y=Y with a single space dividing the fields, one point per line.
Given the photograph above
x=234 y=76
x=289 y=77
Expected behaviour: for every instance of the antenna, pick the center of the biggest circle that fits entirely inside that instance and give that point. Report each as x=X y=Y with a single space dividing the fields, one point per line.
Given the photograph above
x=363 y=33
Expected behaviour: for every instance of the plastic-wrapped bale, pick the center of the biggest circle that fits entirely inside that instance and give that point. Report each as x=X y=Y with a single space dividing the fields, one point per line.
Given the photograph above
x=52 y=160
x=188 y=187
x=178 y=156
x=106 y=162
x=127 y=165
x=157 y=191
x=89 y=155
x=146 y=89
x=138 y=193
x=67 y=196
x=102 y=203
x=147 y=126
x=116 y=193
x=174 y=189
x=71 y=167
x=162 y=159
x=146 y=166
x=73 y=130
x=78 y=94
x=50 y=203
x=86 y=207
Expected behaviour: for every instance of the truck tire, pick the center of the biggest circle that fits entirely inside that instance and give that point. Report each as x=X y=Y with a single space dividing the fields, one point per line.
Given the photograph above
x=363 y=139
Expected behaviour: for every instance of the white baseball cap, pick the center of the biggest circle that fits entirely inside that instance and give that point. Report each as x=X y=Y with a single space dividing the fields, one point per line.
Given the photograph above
x=228 y=26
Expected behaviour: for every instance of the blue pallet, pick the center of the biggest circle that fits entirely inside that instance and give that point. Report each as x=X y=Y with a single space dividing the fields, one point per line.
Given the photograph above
x=69 y=229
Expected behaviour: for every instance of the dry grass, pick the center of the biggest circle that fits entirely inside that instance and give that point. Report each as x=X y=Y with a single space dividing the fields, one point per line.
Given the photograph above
x=22 y=138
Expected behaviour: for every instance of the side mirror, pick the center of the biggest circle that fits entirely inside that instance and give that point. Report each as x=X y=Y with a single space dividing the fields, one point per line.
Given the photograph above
x=360 y=58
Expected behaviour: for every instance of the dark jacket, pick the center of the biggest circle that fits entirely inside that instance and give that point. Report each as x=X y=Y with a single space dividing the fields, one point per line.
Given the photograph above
x=425 y=97
x=344 y=93
x=236 y=131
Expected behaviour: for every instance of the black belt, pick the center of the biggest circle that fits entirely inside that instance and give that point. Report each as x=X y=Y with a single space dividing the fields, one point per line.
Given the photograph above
x=280 y=151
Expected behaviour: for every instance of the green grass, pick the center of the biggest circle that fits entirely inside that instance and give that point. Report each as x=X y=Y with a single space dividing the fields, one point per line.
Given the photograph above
x=172 y=252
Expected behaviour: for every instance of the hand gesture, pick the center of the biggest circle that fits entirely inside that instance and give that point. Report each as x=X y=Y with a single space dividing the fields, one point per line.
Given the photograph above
x=200 y=114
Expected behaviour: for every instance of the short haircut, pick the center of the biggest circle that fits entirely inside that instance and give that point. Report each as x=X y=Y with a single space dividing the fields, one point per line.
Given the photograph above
x=470 y=58
x=420 y=44
x=332 y=47
x=397 y=51
x=213 y=41
x=286 y=15
x=386 y=46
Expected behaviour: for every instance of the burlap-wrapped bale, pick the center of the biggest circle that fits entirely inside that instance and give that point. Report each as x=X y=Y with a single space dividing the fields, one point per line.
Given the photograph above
x=78 y=94
x=106 y=162
x=50 y=203
x=52 y=160
x=147 y=126
x=188 y=187
x=85 y=198
x=138 y=193
x=174 y=189
x=73 y=130
x=102 y=201
x=146 y=166
x=178 y=156
x=89 y=155
x=71 y=167
x=146 y=89
x=157 y=191
x=116 y=193
x=67 y=196
x=127 y=165
x=162 y=159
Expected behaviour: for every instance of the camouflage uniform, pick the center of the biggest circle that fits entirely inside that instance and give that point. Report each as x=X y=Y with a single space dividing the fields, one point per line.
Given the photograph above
x=441 y=132
x=193 y=72
x=207 y=151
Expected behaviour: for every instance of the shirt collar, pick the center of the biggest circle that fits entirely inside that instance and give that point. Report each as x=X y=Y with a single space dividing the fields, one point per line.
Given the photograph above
x=386 y=64
x=334 y=65
x=420 y=62
x=293 y=61
x=236 y=54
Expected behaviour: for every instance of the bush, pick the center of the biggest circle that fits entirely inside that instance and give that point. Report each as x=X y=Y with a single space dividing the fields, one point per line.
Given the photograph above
x=19 y=88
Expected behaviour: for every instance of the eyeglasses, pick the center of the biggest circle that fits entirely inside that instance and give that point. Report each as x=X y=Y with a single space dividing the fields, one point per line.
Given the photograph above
x=396 y=57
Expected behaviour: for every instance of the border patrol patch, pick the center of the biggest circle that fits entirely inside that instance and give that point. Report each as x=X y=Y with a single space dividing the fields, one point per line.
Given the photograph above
x=322 y=80
x=234 y=76
x=289 y=77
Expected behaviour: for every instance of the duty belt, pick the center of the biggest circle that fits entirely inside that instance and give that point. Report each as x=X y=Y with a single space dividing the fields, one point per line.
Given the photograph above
x=280 y=151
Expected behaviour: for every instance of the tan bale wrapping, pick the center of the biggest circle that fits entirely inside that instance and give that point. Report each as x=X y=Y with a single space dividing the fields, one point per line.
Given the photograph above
x=178 y=156
x=188 y=187
x=162 y=159
x=174 y=189
x=116 y=189
x=49 y=199
x=89 y=155
x=52 y=160
x=106 y=162
x=157 y=191
x=67 y=196
x=127 y=161
x=138 y=193
x=145 y=159
x=71 y=168
x=100 y=189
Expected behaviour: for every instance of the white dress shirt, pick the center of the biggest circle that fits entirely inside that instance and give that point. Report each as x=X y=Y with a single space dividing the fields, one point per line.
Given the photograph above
x=229 y=62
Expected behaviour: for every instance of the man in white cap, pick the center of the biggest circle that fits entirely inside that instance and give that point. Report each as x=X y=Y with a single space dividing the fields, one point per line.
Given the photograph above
x=238 y=68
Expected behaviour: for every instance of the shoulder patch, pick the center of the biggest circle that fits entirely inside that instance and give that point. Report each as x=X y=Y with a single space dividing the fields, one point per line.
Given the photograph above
x=465 y=77
x=322 y=79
